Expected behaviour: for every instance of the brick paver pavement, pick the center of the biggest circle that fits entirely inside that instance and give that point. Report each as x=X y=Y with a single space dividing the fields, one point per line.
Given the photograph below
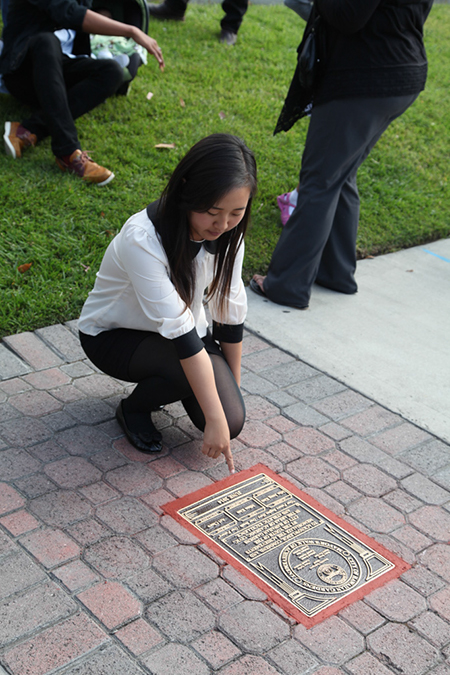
x=96 y=580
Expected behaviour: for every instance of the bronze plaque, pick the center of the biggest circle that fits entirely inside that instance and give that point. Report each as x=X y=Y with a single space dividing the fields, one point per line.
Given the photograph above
x=287 y=541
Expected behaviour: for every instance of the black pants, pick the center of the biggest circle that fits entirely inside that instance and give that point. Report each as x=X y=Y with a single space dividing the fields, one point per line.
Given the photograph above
x=152 y=361
x=60 y=89
x=234 y=12
x=318 y=243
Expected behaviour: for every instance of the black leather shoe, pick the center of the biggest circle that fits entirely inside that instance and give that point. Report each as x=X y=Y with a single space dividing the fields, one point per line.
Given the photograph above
x=144 y=441
x=165 y=11
x=227 y=37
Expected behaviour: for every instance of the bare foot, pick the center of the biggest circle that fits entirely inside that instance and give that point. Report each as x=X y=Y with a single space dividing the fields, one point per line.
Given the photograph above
x=260 y=281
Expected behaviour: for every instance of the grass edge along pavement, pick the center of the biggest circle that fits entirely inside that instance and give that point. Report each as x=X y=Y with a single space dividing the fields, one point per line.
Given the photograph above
x=54 y=229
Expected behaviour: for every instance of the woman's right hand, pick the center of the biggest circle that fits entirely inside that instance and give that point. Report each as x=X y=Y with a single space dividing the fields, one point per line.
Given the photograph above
x=216 y=440
x=200 y=375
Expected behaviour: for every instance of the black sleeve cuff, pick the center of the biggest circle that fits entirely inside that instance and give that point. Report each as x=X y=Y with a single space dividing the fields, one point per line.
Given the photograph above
x=224 y=332
x=188 y=344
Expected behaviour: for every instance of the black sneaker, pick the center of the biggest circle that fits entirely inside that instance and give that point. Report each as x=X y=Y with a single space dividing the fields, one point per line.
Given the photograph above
x=227 y=37
x=166 y=11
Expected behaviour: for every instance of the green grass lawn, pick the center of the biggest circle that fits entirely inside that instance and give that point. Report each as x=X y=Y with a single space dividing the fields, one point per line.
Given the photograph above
x=62 y=226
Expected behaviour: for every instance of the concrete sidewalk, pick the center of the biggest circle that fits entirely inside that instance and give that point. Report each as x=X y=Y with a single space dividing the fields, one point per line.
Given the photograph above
x=390 y=341
x=96 y=581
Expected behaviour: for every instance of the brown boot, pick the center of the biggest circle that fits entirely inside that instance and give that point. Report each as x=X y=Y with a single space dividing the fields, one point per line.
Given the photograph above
x=82 y=165
x=17 y=138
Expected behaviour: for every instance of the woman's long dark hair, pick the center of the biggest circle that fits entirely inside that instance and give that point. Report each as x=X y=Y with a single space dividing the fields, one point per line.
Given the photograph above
x=211 y=169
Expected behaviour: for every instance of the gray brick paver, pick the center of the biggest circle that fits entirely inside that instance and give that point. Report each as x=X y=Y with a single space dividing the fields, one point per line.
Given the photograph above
x=103 y=661
x=98 y=504
x=18 y=572
x=253 y=627
x=428 y=458
x=181 y=616
x=425 y=489
x=34 y=609
x=116 y=557
x=62 y=341
x=11 y=365
x=403 y=650
x=29 y=347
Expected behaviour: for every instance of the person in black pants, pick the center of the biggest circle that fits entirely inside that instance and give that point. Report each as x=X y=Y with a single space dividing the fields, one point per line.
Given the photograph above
x=373 y=69
x=234 y=13
x=59 y=88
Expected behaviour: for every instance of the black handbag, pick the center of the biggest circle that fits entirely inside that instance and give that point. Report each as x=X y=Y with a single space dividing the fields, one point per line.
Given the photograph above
x=308 y=56
x=310 y=60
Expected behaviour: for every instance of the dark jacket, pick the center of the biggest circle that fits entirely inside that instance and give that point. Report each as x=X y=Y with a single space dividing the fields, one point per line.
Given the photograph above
x=371 y=48
x=27 y=18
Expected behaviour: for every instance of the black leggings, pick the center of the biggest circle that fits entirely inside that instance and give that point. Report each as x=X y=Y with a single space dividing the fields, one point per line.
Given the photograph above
x=152 y=361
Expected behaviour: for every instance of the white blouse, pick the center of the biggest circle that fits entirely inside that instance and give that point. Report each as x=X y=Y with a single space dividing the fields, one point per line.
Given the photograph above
x=133 y=288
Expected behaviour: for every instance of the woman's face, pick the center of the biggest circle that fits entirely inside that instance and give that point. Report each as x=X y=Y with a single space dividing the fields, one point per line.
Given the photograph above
x=220 y=218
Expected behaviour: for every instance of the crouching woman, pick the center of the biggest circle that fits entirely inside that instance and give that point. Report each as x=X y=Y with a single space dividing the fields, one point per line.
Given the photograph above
x=145 y=322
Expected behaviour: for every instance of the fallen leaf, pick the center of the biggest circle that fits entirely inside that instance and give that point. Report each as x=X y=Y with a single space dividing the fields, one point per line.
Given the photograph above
x=170 y=146
x=102 y=213
x=109 y=232
x=182 y=103
x=24 y=268
x=222 y=115
x=149 y=95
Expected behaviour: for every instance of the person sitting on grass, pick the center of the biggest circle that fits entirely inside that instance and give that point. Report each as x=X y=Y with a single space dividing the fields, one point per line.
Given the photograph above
x=59 y=88
x=145 y=321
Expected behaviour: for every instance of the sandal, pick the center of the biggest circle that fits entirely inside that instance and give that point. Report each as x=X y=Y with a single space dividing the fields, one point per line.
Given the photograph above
x=256 y=288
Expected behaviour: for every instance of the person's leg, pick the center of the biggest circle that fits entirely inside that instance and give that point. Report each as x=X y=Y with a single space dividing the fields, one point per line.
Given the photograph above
x=338 y=261
x=234 y=14
x=228 y=390
x=173 y=10
x=340 y=136
x=60 y=89
x=39 y=83
x=152 y=362
x=89 y=82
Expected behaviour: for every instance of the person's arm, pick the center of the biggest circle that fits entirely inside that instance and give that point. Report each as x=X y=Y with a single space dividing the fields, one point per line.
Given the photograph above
x=102 y=25
x=216 y=437
x=233 y=356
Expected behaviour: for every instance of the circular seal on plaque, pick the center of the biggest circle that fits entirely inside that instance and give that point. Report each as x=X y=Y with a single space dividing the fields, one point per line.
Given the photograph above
x=332 y=574
x=320 y=566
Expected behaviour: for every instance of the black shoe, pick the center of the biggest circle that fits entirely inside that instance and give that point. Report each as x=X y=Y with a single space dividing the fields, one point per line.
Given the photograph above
x=147 y=441
x=166 y=11
x=256 y=288
x=228 y=37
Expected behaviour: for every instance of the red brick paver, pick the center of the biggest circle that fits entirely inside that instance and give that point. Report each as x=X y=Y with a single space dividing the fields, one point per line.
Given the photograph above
x=139 y=637
x=111 y=603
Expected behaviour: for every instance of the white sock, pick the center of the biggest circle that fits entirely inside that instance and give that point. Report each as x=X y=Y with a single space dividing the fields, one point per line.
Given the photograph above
x=293 y=197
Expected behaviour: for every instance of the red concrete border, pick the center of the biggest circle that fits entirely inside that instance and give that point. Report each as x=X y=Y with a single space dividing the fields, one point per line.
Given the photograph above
x=400 y=566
